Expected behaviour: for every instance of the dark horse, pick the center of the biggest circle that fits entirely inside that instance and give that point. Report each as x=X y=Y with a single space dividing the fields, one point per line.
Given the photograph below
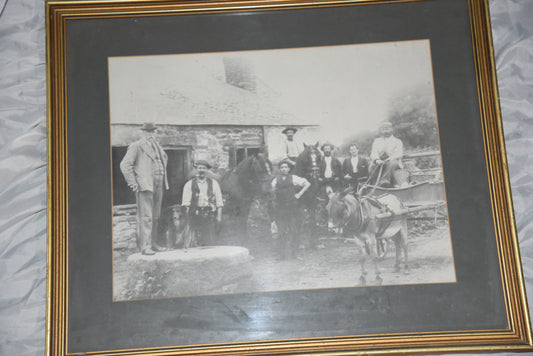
x=249 y=180
x=308 y=167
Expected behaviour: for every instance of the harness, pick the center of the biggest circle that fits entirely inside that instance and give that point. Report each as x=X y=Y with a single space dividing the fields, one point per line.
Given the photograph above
x=382 y=224
x=364 y=218
x=370 y=177
x=312 y=173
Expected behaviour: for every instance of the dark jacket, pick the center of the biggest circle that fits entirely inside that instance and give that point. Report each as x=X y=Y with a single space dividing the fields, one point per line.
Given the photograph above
x=138 y=165
x=362 y=170
x=336 y=168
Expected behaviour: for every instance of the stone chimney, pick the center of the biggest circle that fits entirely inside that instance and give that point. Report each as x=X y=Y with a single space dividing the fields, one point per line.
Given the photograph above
x=239 y=73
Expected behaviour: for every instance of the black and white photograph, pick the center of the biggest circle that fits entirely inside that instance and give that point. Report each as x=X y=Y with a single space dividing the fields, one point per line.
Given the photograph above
x=276 y=170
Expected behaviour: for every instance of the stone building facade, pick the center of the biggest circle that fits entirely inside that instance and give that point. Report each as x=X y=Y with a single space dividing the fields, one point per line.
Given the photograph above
x=224 y=146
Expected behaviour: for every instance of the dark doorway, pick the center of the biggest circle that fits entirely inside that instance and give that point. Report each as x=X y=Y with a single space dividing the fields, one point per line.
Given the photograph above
x=177 y=168
x=122 y=194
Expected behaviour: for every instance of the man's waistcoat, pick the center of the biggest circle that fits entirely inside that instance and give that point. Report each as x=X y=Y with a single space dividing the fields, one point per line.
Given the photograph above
x=285 y=191
x=196 y=192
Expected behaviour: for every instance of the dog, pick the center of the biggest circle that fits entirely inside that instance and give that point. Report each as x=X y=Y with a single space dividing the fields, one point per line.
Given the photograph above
x=179 y=233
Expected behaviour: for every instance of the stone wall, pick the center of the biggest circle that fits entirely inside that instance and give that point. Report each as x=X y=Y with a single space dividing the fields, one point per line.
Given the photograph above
x=274 y=139
x=210 y=142
x=213 y=143
x=125 y=228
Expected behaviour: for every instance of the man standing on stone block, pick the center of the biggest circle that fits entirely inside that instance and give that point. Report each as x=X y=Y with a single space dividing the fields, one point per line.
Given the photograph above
x=145 y=169
x=203 y=200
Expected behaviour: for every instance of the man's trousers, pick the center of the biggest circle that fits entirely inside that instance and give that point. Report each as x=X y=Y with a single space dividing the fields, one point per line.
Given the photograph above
x=203 y=222
x=148 y=212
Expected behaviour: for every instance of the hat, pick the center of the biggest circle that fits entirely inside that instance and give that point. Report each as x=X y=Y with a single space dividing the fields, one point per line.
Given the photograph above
x=149 y=126
x=289 y=128
x=287 y=162
x=203 y=163
x=327 y=144
x=385 y=124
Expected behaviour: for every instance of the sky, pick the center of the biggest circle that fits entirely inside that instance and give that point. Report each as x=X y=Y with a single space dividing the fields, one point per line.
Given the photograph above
x=342 y=88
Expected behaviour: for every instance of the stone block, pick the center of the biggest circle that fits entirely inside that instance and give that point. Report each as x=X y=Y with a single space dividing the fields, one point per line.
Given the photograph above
x=192 y=272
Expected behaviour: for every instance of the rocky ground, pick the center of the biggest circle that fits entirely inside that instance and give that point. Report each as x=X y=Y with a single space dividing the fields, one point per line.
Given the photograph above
x=335 y=264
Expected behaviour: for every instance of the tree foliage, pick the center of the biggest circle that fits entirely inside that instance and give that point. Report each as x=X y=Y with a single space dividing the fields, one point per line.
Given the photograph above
x=413 y=117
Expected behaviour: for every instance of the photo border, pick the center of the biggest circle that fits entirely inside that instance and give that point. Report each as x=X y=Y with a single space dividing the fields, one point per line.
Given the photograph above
x=517 y=337
x=189 y=159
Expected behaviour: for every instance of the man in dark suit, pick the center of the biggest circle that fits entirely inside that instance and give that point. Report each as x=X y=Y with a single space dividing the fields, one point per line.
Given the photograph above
x=145 y=169
x=355 y=168
x=330 y=168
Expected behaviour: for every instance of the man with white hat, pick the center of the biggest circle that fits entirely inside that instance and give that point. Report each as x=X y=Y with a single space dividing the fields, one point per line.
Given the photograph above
x=145 y=170
x=387 y=152
x=203 y=199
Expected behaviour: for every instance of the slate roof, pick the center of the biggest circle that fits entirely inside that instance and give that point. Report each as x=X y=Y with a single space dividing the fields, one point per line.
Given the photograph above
x=202 y=98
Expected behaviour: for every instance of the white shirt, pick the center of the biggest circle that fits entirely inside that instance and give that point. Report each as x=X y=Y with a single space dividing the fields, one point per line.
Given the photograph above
x=292 y=148
x=298 y=181
x=391 y=145
x=203 y=199
x=355 y=162
x=328 y=172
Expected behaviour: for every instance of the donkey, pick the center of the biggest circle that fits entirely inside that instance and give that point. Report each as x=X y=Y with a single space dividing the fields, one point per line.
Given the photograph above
x=356 y=216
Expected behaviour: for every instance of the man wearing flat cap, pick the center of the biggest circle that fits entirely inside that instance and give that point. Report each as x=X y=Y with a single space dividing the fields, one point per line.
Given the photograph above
x=386 y=155
x=145 y=170
x=291 y=147
x=202 y=198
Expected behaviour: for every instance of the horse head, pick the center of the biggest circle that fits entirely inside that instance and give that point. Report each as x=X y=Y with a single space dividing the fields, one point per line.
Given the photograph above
x=308 y=162
x=261 y=173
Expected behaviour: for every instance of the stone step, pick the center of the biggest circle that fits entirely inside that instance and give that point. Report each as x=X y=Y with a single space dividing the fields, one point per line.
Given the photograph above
x=191 y=272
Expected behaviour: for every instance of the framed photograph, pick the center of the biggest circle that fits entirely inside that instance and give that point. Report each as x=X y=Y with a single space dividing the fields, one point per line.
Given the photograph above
x=278 y=177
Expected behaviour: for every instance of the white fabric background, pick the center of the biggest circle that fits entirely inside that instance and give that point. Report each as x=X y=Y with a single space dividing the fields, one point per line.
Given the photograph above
x=23 y=156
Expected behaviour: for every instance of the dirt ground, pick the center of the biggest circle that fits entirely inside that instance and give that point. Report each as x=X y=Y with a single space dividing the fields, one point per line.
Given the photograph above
x=336 y=263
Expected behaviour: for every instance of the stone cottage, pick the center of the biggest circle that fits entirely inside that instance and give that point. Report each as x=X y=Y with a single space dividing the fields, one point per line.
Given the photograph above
x=222 y=116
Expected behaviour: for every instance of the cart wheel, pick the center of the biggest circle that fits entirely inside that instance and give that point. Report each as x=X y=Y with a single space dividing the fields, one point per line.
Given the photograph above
x=382 y=247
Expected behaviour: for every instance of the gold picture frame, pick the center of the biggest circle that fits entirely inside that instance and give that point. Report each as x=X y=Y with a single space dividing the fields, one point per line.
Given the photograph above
x=68 y=328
